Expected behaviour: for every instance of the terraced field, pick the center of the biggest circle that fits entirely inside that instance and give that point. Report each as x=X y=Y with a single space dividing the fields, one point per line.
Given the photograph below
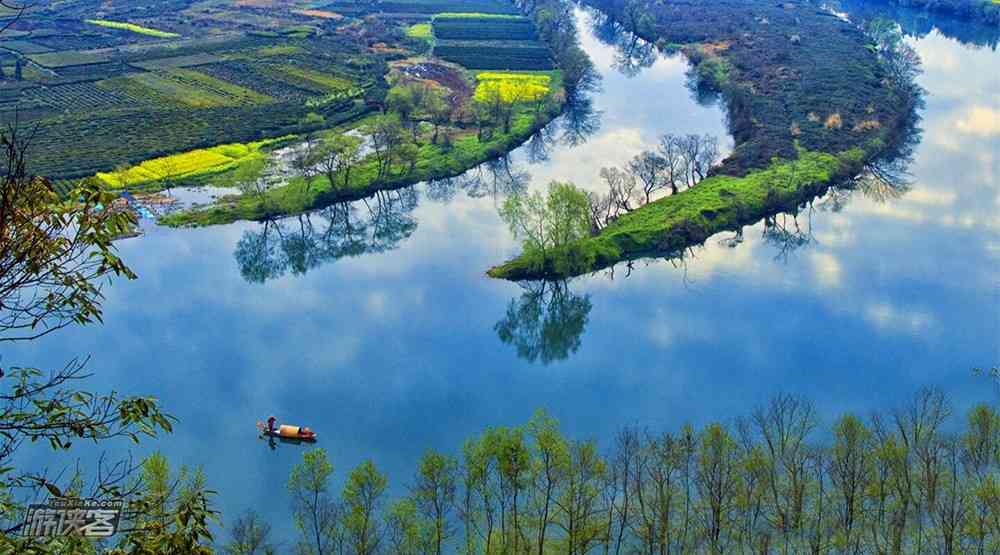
x=483 y=27
x=496 y=54
x=141 y=87
x=490 y=41
x=429 y=7
x=161 y=78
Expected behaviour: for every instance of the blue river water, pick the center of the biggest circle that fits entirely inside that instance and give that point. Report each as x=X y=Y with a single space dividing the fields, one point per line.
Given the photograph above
x=855 y=303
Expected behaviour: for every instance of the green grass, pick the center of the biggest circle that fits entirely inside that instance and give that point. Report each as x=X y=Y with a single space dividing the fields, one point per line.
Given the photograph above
x=190 y=88
x=132 y=27
x=328 y=81
x=277 y=50
x=179 y=61
x=70 y=58
x=420 y=31
x=434 y=162
x=476 y=15
x=234 y=92
x=675 y=222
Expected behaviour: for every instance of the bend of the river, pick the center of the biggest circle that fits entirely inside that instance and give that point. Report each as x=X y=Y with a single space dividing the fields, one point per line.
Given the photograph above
x=394 y=351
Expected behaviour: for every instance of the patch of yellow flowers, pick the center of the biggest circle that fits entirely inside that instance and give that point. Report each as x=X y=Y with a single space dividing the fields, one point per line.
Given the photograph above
x=186 y=164
x=511 y=87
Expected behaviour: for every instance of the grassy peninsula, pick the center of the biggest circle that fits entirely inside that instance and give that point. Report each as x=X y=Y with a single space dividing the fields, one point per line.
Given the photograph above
x=810 y=99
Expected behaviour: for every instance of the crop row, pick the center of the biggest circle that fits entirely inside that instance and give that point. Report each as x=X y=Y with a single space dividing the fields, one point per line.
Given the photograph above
x=69 y=41
x=75 y=96
x=496 y=55
x=310 y=79
x=93 y=72
x=482 y=28
x=422 y=6
x=200 y=82
x=24 y=46
x=117 y=138
x=247 y=75
x=190 y=60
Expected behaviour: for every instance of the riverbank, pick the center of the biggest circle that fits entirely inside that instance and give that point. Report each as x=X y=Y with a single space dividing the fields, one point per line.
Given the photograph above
x=669 y=225
x=434 y=160
x=801 y=117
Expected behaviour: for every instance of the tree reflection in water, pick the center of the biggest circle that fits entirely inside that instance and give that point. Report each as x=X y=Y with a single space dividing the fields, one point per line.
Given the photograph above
x=918 y=23
x=632 y=53
x=496 y=178
x=545 y=323
x=346 y=229
x=579 y=121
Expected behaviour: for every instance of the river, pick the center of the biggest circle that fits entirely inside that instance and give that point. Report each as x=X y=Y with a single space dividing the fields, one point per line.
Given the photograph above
x=395 y=348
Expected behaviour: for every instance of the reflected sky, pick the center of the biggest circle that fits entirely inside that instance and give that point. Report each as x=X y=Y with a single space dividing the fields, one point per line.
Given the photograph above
x=391 y=352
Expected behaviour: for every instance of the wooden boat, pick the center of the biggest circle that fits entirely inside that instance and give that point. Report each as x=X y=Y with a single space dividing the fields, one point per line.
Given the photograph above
x=287 y=431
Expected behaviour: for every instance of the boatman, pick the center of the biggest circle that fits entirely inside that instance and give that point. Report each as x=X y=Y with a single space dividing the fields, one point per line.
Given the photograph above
x=270 y=423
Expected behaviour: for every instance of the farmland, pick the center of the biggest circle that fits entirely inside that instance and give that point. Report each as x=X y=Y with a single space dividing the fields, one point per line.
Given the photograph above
x=512 y=86
x=186 y=165
x=152 y=79
x=490 y=41
x=484 y=27
x=496 y=54
x=180 y=92
x=133 y=27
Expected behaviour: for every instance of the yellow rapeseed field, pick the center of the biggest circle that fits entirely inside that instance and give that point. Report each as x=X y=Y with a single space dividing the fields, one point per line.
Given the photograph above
x=186 y=164
x=517 y=87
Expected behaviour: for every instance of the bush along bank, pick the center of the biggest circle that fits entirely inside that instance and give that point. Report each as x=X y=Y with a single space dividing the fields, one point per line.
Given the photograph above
x=802 y=118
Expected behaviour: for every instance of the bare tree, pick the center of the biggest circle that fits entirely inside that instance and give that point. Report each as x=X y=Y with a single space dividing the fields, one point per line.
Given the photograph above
x=648 y=168
x=674 y=161
x=250 y=535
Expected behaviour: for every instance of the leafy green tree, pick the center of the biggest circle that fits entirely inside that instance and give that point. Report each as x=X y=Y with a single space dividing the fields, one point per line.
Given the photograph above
x=408 y=154
x=336 y=157
x=548 y=223
x=54 y=252
x=434 y=495
x=363 y=499
x=850 y=470
x=579 y=509
x=405 y=530
x=549 y=469
x=475 y=508
x=252 y=178
x=169 y=173
x=716 y=483
x=122 y=176
x=172 y=514
x=386 y=135
x=513 y=462
x=403 y=101
x=439 y=109
x=314 y=511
